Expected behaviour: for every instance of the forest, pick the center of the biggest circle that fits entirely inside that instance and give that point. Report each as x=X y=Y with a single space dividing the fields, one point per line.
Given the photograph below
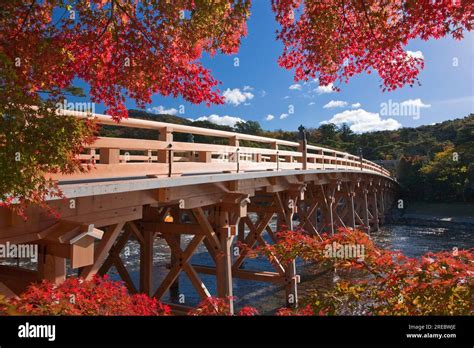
x=433 y=163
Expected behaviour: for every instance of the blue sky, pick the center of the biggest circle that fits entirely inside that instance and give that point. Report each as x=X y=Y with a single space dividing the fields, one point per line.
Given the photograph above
x=446 y=92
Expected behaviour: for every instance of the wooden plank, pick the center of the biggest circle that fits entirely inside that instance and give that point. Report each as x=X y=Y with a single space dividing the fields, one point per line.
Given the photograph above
x=261 y=276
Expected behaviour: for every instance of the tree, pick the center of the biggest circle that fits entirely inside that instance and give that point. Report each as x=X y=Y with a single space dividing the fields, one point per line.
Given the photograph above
x=382 y=282
x=337 y=39
x=139 y=48
x=327 y=134
x=446 y=175
x=119 y=47
x=248 y=127
x=345 y=133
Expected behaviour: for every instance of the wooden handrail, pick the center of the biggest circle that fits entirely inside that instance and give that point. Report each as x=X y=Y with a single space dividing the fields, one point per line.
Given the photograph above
x=159 y=150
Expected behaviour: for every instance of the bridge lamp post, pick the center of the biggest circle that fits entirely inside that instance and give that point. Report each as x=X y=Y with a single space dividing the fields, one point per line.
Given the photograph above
x=360 y=158
x=303 y=146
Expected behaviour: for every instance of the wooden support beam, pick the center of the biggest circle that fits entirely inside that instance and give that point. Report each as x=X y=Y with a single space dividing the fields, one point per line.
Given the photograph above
x=102 y=250
x=260 y=276
x=224 y=260
x=177 y=268
x=207 y=229
x=146 y=262
x=251 y=238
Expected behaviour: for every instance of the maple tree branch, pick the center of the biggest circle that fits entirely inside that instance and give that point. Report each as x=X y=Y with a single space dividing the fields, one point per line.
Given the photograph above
x=108 y=22
x=138 y=27
x=25 y=19
x=370 y=23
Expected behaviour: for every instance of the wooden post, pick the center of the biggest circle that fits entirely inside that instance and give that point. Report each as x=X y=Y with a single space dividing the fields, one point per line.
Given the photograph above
x=109 y=156
x=205 y=156
x=376 y=212
x=274 y=158
x=52 y=268
x=304 y=151
x=224 y=259
x=146 y=262
x=291 y=280
x=382 y=205
x=166 y=134
x=352 y=207
x=331 y=212
x=366 y=210
x=174 y=288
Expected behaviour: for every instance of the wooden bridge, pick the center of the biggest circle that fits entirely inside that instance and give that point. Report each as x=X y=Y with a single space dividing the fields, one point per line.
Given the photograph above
x=230 y=189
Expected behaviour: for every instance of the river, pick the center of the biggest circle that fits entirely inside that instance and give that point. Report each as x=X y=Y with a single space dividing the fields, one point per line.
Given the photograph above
x=266 y=297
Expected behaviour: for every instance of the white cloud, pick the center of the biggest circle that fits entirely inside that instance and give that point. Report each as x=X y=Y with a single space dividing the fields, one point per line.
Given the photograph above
x=335 y=104
x=236 y=97
x=247 y=88
x=356 y=105
x=312 y=103
x=162 y=110
x=221 y=120
x=295 y=87
x=417 y=103
x=315 y=80
x=416 y=54
x=361 y=121
x=269 y=117
x=283 y=116
x=325 y=89
x=286 y=97
x=263 y=93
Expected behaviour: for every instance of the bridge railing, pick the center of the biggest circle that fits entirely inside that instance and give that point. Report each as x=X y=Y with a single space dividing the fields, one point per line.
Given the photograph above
x=125 y=157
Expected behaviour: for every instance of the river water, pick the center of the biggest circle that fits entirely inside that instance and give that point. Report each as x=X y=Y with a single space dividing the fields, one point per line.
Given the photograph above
x=267 y=297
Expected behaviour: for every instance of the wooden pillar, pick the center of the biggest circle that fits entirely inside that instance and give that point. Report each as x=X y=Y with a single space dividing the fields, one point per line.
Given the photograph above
x=166 y=134
x=174 y=288
x=205 y=156
x=382 y=205
x=366 y=210
x=331 y=213
x=224 y=259
x=376 y=211
x=291 y=280
x=304 y=153
x=109 y=156
x=241 y=232
x=52 y=268
x=352 y=207
x=274 y=158
x=146 y=262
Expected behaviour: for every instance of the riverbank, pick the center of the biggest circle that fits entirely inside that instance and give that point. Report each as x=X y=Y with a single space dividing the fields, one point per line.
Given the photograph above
x=436 y=215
